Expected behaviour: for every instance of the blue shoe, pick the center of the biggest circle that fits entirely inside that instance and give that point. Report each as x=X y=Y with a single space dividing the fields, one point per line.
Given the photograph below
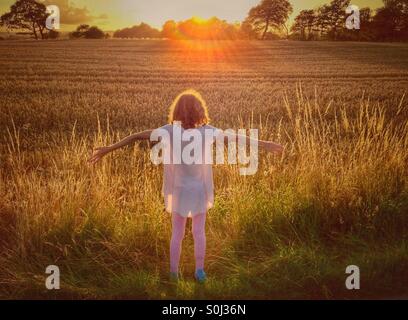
x=173 y=276
x=200 y=275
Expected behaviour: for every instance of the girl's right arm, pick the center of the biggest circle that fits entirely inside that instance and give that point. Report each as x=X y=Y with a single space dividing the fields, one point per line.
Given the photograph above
x=100 y=152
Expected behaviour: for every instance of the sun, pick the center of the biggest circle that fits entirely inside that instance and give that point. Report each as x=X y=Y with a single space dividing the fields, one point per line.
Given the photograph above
x=199 y=20
x=202 y=40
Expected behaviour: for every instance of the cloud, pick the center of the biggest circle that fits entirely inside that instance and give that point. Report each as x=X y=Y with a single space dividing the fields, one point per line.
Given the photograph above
x=72 y=15
x=102 y=16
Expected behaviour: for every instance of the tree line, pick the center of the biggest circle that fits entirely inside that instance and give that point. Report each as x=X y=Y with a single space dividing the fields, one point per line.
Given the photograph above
x=388 y=23
x=267 y=20
x=193 y=28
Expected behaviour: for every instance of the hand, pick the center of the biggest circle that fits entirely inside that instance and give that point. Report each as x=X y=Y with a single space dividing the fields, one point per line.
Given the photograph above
x=98 y=154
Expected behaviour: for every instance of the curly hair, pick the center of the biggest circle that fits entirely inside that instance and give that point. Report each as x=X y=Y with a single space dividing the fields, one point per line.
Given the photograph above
x=190 y=109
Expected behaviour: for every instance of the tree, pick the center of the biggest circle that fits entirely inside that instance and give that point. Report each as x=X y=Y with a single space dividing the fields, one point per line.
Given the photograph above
x=337 y=16
x=366 y=25
x=80 y=31
x=247 y=31
x=85 y=31
x=310 y=18
x=330 y=18
x=322 y=21
x=365 y=18
x=139 y=31
x=94 y=33
x=26 y=15
x=391 y=21
x=269 y=14
x=201 y=29
x=286 y=27
x=304 y=23
x=170 y=30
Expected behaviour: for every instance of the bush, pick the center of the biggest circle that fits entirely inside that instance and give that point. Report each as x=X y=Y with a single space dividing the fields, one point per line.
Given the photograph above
x=94 y=33
x=85 y=31
x=141 y=31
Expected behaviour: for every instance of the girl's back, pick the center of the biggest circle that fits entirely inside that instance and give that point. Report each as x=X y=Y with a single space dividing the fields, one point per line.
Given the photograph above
x=188 y=180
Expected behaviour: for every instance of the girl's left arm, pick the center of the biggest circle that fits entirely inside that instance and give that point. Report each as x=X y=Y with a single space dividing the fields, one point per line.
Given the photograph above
x=271 y=146
x=100 y=152
x=263 y=144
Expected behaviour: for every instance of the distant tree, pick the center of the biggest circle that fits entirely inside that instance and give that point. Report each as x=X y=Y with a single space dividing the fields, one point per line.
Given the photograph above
x=88 y=32
x=80 y=31
x=304 y=23
x=170 y=30
x=322 y=21
x=94 y=33
x=82 y=28
x=385 y=24
x=310 y=19
x=269 y=14
x=286 y=28
x=365 y=18
x=230 y=31
x=391 y=21
x=366 y=31
x=140 y=31
x=247 y=31
x=335 y=17
x=299 y=26
x=26 y=15
x=330 y=19
x=199 y=29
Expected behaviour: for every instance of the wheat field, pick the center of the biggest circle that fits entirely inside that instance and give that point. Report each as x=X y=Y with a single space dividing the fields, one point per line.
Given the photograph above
x=338 y=196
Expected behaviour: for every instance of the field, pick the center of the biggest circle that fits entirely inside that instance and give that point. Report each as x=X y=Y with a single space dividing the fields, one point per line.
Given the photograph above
x=338 y=196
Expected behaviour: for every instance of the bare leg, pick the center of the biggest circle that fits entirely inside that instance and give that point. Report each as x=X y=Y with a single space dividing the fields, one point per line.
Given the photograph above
x=177 y=235
x=199 y=239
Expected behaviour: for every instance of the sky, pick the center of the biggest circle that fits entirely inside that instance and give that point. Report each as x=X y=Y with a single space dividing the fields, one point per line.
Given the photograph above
x=116 y=14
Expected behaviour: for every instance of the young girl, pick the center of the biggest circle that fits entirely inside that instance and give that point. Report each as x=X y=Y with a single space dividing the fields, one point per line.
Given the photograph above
x=187 y=187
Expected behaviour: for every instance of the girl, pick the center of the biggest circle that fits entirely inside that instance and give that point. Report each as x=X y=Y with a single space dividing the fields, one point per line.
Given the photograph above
x=187 y=187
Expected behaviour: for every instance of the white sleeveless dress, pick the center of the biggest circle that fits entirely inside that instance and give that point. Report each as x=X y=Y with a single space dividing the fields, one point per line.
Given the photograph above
x=188 y=189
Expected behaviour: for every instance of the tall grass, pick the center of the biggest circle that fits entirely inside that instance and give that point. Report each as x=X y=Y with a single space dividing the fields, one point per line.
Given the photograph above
x=337 y=196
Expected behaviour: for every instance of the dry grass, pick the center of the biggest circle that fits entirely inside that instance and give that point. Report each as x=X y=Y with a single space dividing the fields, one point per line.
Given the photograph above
x=338 y=195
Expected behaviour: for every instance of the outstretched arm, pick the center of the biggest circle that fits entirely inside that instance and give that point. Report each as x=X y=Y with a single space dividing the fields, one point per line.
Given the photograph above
x=100 y=152
x=266 y=145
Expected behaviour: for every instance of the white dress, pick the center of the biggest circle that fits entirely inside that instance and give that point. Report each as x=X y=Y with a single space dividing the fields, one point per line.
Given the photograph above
x=188 y=188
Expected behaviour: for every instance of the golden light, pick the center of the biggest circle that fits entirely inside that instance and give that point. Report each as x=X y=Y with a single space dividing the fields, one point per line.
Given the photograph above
x=199 y=20
x=208 y=51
